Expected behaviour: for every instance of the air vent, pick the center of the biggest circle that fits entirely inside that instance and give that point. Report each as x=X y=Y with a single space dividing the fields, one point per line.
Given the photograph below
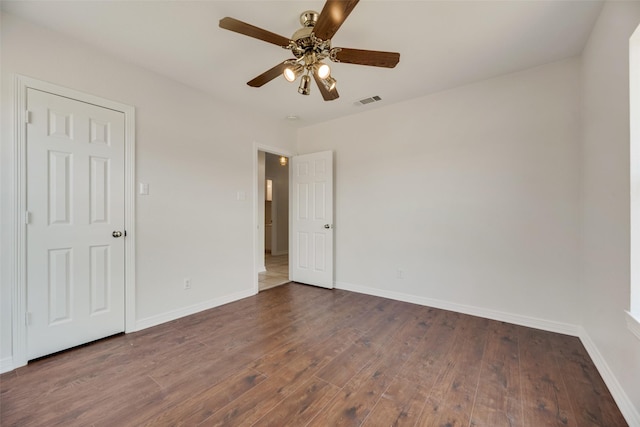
x=366 y=101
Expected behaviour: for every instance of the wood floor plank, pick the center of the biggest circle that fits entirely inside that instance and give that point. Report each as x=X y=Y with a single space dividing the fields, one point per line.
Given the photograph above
x=383 y=321
x=452 y=397
x=251 y=406
x=325 y=348
x=282 y=379
x=300 y=355
x=67 y=409
x=499 y=400
x=353 y=404
x=424 y=366
x=590 y=398
x=301 y=406
x=62 y=375
x=546 y=401
x=347 y=364
x=355 y=401
x=400 y=405
x=189 y=410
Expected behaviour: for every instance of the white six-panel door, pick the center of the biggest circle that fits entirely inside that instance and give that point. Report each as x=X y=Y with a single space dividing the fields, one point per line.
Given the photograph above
x=75 y=202
x=312 y=220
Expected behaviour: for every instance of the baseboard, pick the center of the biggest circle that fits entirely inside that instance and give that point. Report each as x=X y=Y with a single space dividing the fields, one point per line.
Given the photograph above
x=192 y=309
x=279 y=253
x=6 y=364
x=629 y=411
x=262 y=269
x=633 y=324
x=517 y=319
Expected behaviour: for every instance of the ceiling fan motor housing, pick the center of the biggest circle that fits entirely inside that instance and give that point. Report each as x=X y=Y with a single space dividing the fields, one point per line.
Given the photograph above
x=304 y=42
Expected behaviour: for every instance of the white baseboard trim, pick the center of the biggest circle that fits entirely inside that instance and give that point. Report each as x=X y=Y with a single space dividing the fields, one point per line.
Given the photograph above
x=192 y=309
x=629 y=411
x=633 y=323
x=278 y=253
x=262 y=269
x=517 y=319
x=6 y=364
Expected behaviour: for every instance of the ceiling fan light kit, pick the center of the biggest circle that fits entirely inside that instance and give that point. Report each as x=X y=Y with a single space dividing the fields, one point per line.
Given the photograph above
x=329 y=83
x=310 y=45
x=292 y=71
x=322 y=70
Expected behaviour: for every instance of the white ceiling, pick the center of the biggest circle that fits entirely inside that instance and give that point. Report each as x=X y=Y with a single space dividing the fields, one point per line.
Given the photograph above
x=442 y=44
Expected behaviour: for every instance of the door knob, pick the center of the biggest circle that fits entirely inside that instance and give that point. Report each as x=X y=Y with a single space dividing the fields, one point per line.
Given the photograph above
x=328 y=226
x=117 y=234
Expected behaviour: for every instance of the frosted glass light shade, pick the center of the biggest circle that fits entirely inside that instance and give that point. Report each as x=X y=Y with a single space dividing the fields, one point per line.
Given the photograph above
x=322 y=70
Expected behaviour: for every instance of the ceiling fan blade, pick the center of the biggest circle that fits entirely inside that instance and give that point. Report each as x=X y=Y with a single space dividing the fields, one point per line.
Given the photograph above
x=268 y=75
x=332 y=16
x=375 y=58
x=328 y=95
x=233 y=24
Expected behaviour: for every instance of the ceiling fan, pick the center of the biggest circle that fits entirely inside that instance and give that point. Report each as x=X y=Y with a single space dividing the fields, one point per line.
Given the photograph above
x=310 y=45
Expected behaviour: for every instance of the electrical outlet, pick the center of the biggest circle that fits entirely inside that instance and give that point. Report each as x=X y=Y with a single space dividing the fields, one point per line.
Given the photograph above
x=187 y=283
x=400 y=273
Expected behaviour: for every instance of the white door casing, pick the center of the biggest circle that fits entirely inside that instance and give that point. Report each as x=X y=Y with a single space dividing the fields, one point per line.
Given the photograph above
x=311 y=257
x=18 y=207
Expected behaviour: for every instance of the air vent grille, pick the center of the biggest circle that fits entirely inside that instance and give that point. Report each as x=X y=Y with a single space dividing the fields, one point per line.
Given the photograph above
x=366 y=101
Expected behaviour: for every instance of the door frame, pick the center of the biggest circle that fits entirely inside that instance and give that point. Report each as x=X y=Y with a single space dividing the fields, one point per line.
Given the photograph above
x=19 y=186
x=257 y=230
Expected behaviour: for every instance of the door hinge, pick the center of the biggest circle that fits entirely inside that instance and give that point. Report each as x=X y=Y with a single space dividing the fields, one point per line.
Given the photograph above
x=27 y=116
x=27 y=217
x=125 y=233
x=27 y=318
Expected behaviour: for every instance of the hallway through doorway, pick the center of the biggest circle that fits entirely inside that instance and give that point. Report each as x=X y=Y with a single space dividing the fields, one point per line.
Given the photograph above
x=277 y=271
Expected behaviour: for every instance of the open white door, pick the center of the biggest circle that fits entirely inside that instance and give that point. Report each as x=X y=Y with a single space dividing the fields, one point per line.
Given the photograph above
x=312 y=219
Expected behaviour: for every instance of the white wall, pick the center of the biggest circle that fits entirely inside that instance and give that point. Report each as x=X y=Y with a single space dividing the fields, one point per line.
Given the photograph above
x=195 y=153
x=604 y=288
x=472 y=193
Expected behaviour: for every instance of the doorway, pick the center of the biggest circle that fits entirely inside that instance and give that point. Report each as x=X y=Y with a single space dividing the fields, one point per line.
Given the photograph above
x=273 y=219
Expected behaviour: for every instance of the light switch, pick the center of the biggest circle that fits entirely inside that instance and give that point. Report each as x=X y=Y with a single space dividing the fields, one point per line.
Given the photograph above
x=143 y=189
x=241 y=195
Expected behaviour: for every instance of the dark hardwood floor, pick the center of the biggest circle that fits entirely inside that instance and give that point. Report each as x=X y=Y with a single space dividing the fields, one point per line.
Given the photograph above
x=297 y=355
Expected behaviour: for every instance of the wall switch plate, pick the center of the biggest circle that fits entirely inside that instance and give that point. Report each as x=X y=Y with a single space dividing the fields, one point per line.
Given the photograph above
x=143 y=189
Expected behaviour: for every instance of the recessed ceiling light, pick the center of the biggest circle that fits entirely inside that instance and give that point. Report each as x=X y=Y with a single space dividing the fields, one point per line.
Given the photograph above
x=292 y=117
